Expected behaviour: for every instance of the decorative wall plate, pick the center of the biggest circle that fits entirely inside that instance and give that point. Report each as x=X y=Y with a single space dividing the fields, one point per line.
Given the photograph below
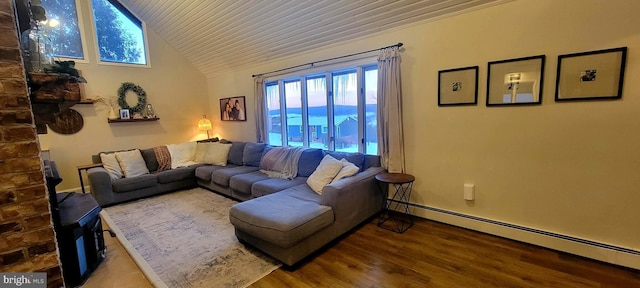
x=67 y=122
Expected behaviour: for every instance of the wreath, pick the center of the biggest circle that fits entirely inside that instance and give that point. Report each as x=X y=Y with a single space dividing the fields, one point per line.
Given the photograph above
x=122 y=99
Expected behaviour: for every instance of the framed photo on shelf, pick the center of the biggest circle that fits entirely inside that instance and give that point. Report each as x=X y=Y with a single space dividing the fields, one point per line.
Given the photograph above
x=124 y=114
x=515 y=81
x=591 y=75
x=458 y=86
x=233 y=109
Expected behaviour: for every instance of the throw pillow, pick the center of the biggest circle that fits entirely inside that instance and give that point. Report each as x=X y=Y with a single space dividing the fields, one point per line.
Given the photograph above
x=183 y=154
x=235 y=153
x=325 y=172
x=353 y=157
x=252 y=154
x=132 y=163
x=348 y=169
x=212 y=153
x=110 y=163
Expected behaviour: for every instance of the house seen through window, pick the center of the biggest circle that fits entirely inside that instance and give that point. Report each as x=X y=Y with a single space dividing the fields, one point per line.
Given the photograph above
x=336 y=110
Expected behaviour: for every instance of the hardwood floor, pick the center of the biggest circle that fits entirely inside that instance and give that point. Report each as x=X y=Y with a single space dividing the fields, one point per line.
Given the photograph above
x=432 y=254
x=429 y=254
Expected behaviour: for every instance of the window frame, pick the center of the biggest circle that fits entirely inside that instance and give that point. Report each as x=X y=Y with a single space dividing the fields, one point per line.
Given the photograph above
x=328 y=74
x=127 y=14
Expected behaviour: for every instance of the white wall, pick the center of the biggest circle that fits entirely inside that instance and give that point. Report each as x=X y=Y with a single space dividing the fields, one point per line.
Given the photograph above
x=175 y=88
x=570 y=168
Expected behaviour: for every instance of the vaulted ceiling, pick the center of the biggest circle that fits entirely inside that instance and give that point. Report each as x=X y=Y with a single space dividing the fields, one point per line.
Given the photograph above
x=221 y=35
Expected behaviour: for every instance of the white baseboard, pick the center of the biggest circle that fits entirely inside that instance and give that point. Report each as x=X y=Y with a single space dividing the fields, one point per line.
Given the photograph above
x=582 y=247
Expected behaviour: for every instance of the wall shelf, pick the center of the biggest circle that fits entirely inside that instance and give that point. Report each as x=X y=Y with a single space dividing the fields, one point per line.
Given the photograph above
x=132 y=120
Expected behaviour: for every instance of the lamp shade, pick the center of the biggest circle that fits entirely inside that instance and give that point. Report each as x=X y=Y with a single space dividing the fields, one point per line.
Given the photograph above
x=204 y=124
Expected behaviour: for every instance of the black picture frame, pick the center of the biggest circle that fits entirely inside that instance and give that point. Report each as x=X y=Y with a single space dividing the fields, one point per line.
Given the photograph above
x=236 y=112
x=592 y=75
x=517 y=81
x=457 y=87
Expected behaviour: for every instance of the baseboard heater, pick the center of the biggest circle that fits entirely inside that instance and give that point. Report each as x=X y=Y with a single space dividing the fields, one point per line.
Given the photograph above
x=527 y=229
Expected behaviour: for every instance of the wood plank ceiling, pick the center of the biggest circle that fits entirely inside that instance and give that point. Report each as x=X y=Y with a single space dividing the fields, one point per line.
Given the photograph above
x=222 y=35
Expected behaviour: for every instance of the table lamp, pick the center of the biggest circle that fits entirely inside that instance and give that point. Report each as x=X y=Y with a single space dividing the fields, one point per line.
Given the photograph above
x=204 y=124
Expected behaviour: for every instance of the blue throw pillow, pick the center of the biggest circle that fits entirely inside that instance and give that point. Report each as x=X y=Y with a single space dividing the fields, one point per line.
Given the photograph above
x=309 y=161
x=235 y=153
x=253 y=154
x=355 y=158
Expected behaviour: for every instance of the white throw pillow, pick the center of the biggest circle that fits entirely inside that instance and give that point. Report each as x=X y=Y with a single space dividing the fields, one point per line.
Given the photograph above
x=348 y=169
x=183 y=154
x=325 y=172
x=212 y=153
x=132 y=163
x=110 y=163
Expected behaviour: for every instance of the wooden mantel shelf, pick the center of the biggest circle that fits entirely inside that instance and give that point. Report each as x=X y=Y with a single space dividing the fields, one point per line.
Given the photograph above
x=132 y=120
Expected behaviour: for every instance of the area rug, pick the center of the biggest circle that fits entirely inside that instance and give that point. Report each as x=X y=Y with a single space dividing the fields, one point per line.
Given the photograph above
x=186 y=239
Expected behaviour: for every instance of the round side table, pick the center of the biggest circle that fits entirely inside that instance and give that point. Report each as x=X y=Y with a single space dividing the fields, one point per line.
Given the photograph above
x=396 y=208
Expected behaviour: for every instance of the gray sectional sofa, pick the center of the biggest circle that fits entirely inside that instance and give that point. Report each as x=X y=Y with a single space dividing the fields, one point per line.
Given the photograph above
x=284 y=218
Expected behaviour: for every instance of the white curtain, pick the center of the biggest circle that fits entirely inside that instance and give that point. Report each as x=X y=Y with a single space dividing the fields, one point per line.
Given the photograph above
x=261 y=132
x=390 y=135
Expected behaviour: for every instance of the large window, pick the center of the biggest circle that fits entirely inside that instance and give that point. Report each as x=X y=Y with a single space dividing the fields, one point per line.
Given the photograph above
x=63 y=28
x=334 y=110
x=120 y=35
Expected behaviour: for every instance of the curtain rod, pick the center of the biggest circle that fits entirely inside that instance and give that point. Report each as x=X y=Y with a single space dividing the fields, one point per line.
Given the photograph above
x=325 y=60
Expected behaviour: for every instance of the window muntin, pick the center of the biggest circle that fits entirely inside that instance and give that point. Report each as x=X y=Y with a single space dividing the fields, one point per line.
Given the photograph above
x=335 y=110
x=63 y=28
x=120 y=35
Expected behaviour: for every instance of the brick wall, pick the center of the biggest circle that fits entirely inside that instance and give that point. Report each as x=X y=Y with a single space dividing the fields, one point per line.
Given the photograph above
x=27 y=240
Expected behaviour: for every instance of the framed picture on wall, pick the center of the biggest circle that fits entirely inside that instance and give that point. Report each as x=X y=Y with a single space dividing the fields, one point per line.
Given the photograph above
x=458 y=86
x=124 y=114
x=233 y=109
x=591 y=75
x=515 y=81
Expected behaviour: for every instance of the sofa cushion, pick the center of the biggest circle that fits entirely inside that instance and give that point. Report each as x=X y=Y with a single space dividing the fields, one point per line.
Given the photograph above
x=355 y=158
x=326 y=171
x=308 y=162
x=204 y=172
x=175 y=175
x=110 y=163
x=252 y=154
x=132 y=163
x=282 y=219
x=235 y=153
x=183 y=154
x=149 y=157
x=242 y=182
x=222 y=176
x=131 y=184
x=273 y=185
